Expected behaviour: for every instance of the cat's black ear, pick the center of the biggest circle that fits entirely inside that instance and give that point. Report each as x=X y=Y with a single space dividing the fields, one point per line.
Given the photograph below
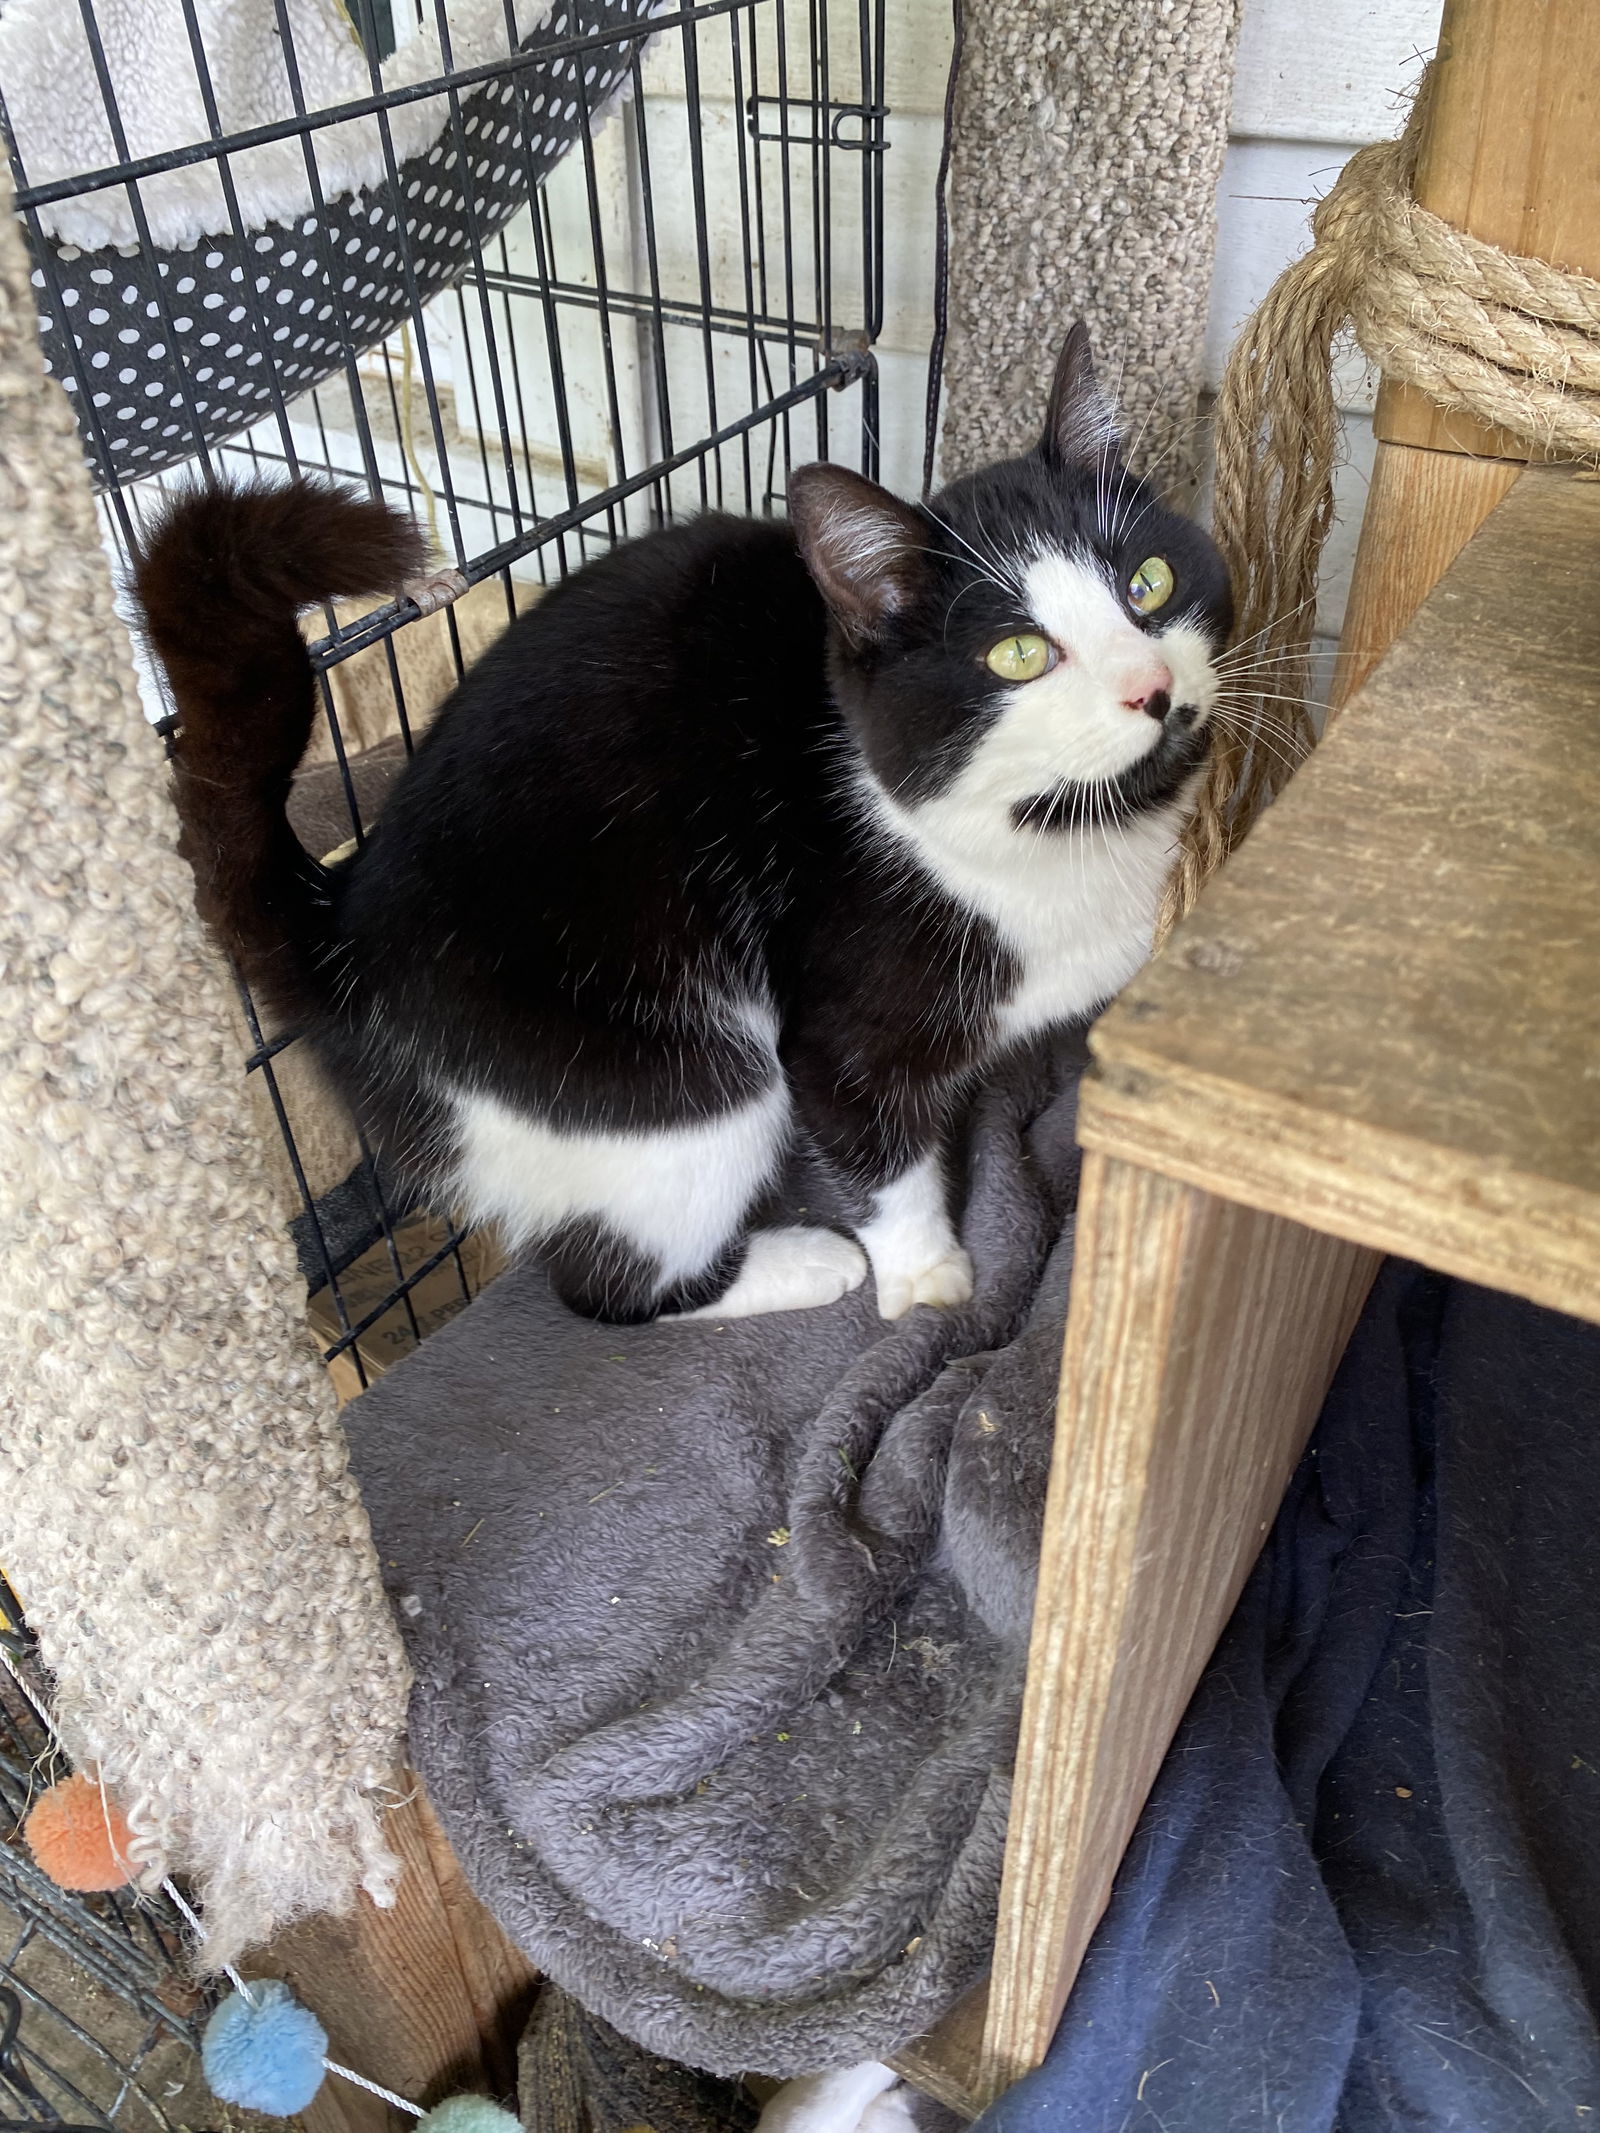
x=864 y=547
x=1079 y=425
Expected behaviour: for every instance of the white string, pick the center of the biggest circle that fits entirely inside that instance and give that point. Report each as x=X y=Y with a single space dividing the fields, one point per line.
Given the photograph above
x=401 y=2103
x=181 y=1906
x=186 y=1912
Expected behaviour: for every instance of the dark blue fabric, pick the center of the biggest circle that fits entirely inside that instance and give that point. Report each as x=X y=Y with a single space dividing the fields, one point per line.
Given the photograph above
x=1365 y=1893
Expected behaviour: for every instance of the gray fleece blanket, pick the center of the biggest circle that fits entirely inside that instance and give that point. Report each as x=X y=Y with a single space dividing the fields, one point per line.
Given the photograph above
x=719 y=1630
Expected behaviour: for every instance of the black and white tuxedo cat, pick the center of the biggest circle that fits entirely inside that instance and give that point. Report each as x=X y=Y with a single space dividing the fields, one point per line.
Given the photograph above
x=748 y=832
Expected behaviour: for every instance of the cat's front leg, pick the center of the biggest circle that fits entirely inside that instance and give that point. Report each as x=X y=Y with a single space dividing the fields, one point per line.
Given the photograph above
x=911 y=1244
x=881 y=1131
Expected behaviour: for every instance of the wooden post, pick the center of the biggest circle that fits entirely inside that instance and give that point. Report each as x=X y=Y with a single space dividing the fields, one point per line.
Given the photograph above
x=1202 y=1335
x=428 y=1999
x=1511 y=155
x=1201 y=1339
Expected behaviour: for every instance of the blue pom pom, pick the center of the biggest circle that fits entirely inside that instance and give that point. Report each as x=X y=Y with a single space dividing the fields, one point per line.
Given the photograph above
x=469 y=2114
x=265 y=2056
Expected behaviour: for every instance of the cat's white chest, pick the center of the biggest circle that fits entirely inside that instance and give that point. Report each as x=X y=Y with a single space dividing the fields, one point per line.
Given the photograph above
x=1078 y=919
x=1076 y=911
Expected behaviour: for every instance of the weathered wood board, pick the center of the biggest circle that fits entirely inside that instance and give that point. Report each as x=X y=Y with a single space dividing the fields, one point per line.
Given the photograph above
x=428 y=1998
x=1201 y=1339
x=1384 y=1018
x=1379 y=1030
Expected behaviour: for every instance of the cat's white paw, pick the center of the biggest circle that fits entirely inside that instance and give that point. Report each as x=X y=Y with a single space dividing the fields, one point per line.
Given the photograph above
x=790 y=1270
x=836 y=2102
x=891 y=2112
x=908 y=1237
x=947 y=1281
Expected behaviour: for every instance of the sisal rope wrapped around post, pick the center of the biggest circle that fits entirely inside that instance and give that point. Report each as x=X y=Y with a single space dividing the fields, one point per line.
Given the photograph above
x=175 y=1505
x=1511 y=340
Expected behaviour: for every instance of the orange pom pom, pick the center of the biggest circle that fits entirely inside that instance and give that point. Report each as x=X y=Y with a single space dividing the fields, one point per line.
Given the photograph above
x=80 y=1837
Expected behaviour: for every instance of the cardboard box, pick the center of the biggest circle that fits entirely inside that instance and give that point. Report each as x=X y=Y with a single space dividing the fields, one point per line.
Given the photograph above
x=437 y=1297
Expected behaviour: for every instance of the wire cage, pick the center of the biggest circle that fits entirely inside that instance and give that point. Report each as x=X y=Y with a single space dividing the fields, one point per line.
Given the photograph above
x=99 y=2025
x=629 y=265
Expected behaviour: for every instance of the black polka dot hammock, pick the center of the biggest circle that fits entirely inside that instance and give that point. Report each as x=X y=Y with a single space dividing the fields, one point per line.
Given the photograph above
x=167 y=348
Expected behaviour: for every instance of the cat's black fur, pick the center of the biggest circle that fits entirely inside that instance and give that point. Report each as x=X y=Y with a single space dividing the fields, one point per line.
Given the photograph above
x=641 y=799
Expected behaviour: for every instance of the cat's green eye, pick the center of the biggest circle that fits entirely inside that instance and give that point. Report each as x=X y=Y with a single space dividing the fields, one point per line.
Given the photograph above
x=1021 y=658
x=1151 y=585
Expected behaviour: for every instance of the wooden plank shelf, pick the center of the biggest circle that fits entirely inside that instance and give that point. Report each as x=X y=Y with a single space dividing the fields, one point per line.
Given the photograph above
x=1384 y=1020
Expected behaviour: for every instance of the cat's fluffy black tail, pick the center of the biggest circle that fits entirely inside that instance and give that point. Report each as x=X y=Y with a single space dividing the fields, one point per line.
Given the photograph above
x=223 y=577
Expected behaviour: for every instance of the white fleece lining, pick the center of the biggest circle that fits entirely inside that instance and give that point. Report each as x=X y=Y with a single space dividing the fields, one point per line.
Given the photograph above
x=57 y=112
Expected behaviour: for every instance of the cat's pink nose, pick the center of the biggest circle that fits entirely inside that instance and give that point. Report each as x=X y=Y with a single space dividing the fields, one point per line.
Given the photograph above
x=1148 y=689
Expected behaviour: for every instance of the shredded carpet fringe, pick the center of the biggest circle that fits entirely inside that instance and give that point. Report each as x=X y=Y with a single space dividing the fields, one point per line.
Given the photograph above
x=175 y=1506
x=1512 y=341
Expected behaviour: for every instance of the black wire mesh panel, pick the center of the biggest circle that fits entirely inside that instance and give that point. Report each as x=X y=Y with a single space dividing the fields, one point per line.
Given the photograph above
x=99 y=2027
x=682 y=307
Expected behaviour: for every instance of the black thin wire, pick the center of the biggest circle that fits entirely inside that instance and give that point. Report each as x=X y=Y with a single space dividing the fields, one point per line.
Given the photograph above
x=697 y=184
x=480 y=427
x=331 y=267
x=941 y=256
x=415 y=307
x=170 y=335
x=518 y=396
x=543 y=233
x=263 y=352
x=475 y=242
x=786 y=198
x=875 y=107
x=741 y=136
x=291 y=1149
x=846 y=369
x=653 y=317
x=602 y=283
